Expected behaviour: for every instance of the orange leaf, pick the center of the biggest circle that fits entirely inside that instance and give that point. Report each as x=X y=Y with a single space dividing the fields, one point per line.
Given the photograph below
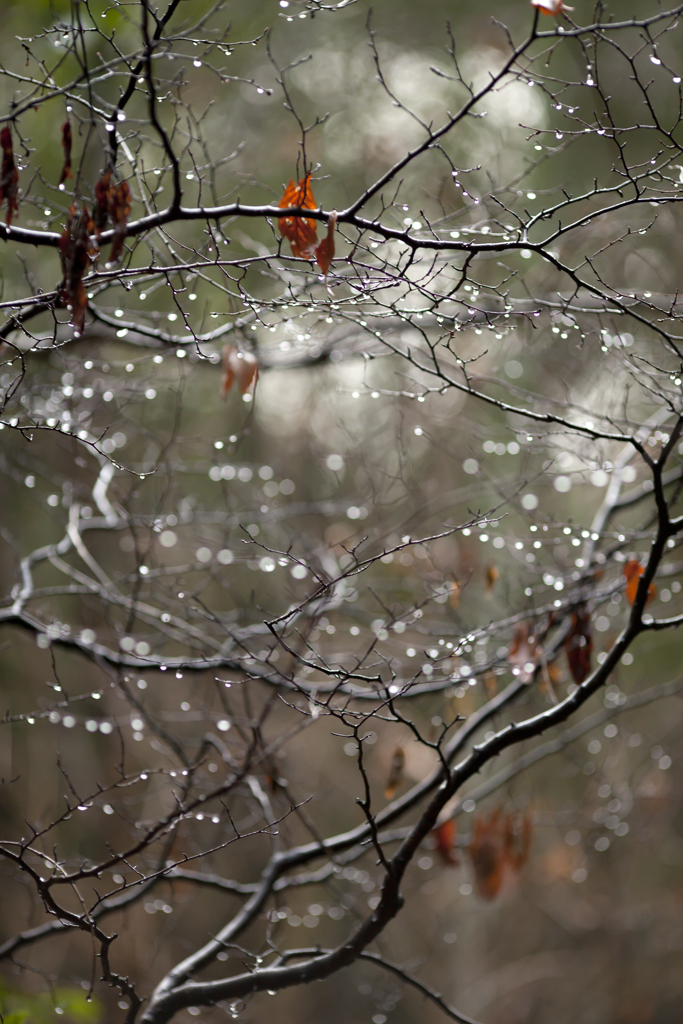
x=300 y=232
x=66 y=146
x=492 y=576
x=395 y=777
x=551 y=7
x=579 y=644
x=324 y=253
x=454 y=596
x=633 y=570
x=9 y=175
x=238 y=366
x=445 y=840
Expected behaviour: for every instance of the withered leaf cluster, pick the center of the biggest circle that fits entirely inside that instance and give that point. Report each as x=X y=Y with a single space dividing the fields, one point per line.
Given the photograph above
x=302 y=232
x=79 y=244
x=77 y=250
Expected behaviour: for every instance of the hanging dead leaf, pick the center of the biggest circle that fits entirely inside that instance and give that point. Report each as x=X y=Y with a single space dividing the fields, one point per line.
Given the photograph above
x=454 y=595
x=579 y=644
x=66 y=146
x=499 y=847
x=300 y=232
x=524 y=652
x=9 y=176
x=487 y=854
x=324 y=252
x=119 y=211
x=102 y=200
x=551 y=7
x=76 y=250
x=633 y=570
x=241 y=367
x=395 y=777
x=445 y=842
x=492 y=576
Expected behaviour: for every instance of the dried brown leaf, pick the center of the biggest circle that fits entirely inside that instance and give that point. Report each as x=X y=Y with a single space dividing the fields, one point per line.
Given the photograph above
x=102 y=200
x=445 y=842
x=579 y=645
x=76 y=250
x=487 y=855
x=241 y=367
x=492 y=576
x=499 y=847
x=324 y=252
x=9 y=175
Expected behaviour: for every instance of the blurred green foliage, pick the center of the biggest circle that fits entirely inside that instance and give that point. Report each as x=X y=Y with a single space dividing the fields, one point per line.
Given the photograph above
x=67 y=1004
